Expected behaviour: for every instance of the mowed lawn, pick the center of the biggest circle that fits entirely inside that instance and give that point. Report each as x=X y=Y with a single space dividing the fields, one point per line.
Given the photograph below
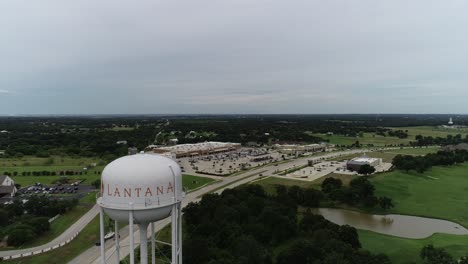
x=438 y=193
x=441 y=192
x=367 y=138
x=378 y=140
x=432 y=131
x=388 y=155
x=269 y=183
x=191 y=182
x=405 y=251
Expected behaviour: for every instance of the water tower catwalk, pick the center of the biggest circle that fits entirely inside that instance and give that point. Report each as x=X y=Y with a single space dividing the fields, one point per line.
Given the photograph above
x=141 y=189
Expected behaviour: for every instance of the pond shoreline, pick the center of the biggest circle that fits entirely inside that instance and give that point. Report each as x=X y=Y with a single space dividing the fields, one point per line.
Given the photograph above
x=398 y=225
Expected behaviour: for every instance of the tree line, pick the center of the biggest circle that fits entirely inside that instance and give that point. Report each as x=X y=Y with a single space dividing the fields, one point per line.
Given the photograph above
x=422 y=163
x=440 y=141
x=360 y=192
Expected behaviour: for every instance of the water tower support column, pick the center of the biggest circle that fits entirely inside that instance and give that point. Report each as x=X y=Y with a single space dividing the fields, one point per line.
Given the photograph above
x=176 y=226
x=117 y=242
x=143 y=243
x=132 y=242
x=153 y=245
x=101 y=224
x=179 y=226
x=174 y=236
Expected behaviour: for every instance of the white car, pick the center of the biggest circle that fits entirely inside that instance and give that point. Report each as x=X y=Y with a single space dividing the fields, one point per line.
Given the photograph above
x=109 y=235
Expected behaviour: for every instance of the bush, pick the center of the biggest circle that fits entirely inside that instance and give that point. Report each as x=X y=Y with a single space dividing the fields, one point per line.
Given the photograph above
x=20 y=235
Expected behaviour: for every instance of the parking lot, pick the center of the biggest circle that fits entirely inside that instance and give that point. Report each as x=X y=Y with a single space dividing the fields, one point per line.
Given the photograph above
x=223 y=164
x=56 y=190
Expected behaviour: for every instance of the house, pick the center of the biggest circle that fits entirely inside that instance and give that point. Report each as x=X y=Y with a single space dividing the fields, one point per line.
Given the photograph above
x=7 y=189
x=132 y=151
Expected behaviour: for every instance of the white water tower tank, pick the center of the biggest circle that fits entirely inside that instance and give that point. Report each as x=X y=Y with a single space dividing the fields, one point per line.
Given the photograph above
x=148 y=184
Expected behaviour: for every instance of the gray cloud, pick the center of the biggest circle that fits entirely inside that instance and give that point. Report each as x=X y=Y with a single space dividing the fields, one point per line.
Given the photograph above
x=240 y=56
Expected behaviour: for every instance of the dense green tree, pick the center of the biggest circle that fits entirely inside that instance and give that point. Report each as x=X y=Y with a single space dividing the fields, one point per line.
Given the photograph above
x=433 y=255
x=366 y=169
x=20 y=235
x=330 y=184
x=385 y=203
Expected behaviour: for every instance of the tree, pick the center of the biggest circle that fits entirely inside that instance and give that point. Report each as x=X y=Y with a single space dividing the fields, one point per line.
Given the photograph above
x=330 y=184
x=433 y=255
x=349 y=234
x=366 y=169
x=385 y=203
x=20 y=235
x=96 y=184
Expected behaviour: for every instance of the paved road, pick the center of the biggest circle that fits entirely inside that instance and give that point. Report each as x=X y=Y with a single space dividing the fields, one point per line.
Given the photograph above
x=227 y=182
x=92 y=255
x=72 y=230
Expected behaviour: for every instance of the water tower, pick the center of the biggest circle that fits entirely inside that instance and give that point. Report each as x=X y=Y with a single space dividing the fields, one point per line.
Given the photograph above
x=141 y=189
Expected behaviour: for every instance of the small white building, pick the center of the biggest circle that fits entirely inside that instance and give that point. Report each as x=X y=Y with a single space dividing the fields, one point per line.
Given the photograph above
x=7 y=189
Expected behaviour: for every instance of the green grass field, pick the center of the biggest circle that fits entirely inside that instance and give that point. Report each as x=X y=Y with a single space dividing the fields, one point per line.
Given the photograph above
x=377 y=140
x=367 y=138
x=405 y=251
x=191 y=182
x=432 y=131
x=388 y=155
x=269 y=183
x=27 y=161
x=440 y=192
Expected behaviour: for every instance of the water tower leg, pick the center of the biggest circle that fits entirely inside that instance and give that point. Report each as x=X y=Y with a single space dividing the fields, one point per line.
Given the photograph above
x=132 y=242
x=101 y=225
x=174 y=236
x=153 y=245
x=179 y=231
x=117 y=242
x=143 y=243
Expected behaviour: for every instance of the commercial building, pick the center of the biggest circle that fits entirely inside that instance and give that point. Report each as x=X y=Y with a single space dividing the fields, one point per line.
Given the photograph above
x=191 y=150
x=356 y=163
x=300 y=149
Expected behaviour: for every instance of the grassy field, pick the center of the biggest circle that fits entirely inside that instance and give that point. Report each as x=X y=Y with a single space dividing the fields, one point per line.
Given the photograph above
x=27 y=161
x=269 y=183
x=388 y=155
x=405 y=251
x=377 y=140
x=191 y=182
x=440 y=192
x=432 y=131
x=367 y=138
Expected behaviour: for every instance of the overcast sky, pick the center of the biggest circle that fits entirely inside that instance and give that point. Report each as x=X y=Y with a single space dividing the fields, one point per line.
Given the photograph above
x=236 y=56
